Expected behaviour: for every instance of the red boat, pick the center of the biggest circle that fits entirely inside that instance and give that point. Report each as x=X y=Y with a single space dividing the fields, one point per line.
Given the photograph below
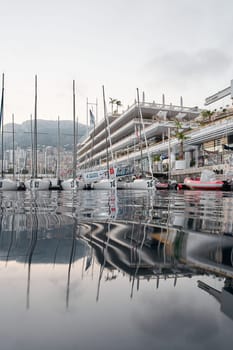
x=207 y=181
x=162 y=185
x=198 y=184
x=166 y=185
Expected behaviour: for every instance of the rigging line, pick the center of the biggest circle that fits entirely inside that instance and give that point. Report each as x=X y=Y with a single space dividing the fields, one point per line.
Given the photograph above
x=108 y=128
x=143 y=126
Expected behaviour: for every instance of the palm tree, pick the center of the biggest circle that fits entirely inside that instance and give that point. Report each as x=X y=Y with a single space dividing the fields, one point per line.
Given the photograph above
x=181 y=137
x=206 y=115
x=112 y=101
x=118 y=104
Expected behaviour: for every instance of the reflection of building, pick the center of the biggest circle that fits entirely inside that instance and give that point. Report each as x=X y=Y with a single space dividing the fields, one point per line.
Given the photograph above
x=138 y=249
x=224 y=297
x=150 y=251
x=209 y=213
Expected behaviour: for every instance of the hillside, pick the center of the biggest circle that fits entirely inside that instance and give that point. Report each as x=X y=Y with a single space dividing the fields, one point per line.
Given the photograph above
x=47 y=133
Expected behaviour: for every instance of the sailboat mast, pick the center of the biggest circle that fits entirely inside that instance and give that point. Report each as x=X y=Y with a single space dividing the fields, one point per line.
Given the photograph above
x=58 y=148
x=74 y=133
x=1 y=122
x=106 y=131
x=13 y=145
x=35 y=130
x=32 y=147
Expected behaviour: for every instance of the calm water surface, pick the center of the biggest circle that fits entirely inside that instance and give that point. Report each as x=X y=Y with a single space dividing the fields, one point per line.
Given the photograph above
x=126 y=270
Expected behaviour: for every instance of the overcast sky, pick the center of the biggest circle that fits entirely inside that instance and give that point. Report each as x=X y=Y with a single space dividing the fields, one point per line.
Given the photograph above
x=176 y=47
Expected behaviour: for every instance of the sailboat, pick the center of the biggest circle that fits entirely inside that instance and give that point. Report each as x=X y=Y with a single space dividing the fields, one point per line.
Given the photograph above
x=142 y=183
x=73 y=183
x=36 y=183
x=56 y=180
x=5 y=184
x=109 y=182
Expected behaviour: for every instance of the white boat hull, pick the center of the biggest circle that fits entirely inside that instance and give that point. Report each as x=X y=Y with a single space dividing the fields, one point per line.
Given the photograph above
x=8 y=185
x=105 y=184
x=140 y=184
x=72 y=185
x=37 y=184
x=55 y=183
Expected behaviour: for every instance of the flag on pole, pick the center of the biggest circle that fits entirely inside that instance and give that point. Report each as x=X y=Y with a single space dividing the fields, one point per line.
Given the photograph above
x=92 y=118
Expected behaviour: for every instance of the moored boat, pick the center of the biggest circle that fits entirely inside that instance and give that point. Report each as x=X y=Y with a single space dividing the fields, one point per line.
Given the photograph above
x=197 y=184
x=8 y=185
x=141 y=184
x=72 y=185
x=207 y=181
x=105 y=184
x=37 y=184
x=166 y=185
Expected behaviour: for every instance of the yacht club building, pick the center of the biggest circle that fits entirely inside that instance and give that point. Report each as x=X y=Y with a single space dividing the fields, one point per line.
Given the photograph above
x=128 y=140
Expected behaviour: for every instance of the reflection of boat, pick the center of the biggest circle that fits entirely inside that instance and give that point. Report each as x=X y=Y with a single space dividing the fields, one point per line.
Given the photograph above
x=207 y=181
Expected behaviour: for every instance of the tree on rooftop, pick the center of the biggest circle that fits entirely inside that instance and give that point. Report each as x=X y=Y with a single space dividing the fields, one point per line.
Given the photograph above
x=118 y=104
x=206 y=114
x=181 y=137
x=112 y=101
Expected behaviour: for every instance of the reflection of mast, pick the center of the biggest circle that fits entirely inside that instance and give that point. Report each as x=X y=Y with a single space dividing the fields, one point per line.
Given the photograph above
x=72 y=255
x=102 y=266
x=12 y=236
x=34 y=234
x=58 y=241
x=139 y=254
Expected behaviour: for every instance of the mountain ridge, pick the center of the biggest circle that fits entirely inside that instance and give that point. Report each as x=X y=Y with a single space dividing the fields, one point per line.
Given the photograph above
x=47 y=133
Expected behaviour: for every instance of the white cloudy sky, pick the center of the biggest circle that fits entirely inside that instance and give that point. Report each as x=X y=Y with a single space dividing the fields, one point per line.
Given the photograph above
x=175 y=47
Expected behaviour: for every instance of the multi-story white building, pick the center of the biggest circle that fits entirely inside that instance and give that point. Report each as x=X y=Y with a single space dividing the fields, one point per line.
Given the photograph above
x=132 y=142
x=128 y=135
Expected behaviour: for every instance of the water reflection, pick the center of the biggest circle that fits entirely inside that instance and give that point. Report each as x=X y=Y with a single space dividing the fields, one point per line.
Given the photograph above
x=223 y=296
x=33 y=233
x=82 y=248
